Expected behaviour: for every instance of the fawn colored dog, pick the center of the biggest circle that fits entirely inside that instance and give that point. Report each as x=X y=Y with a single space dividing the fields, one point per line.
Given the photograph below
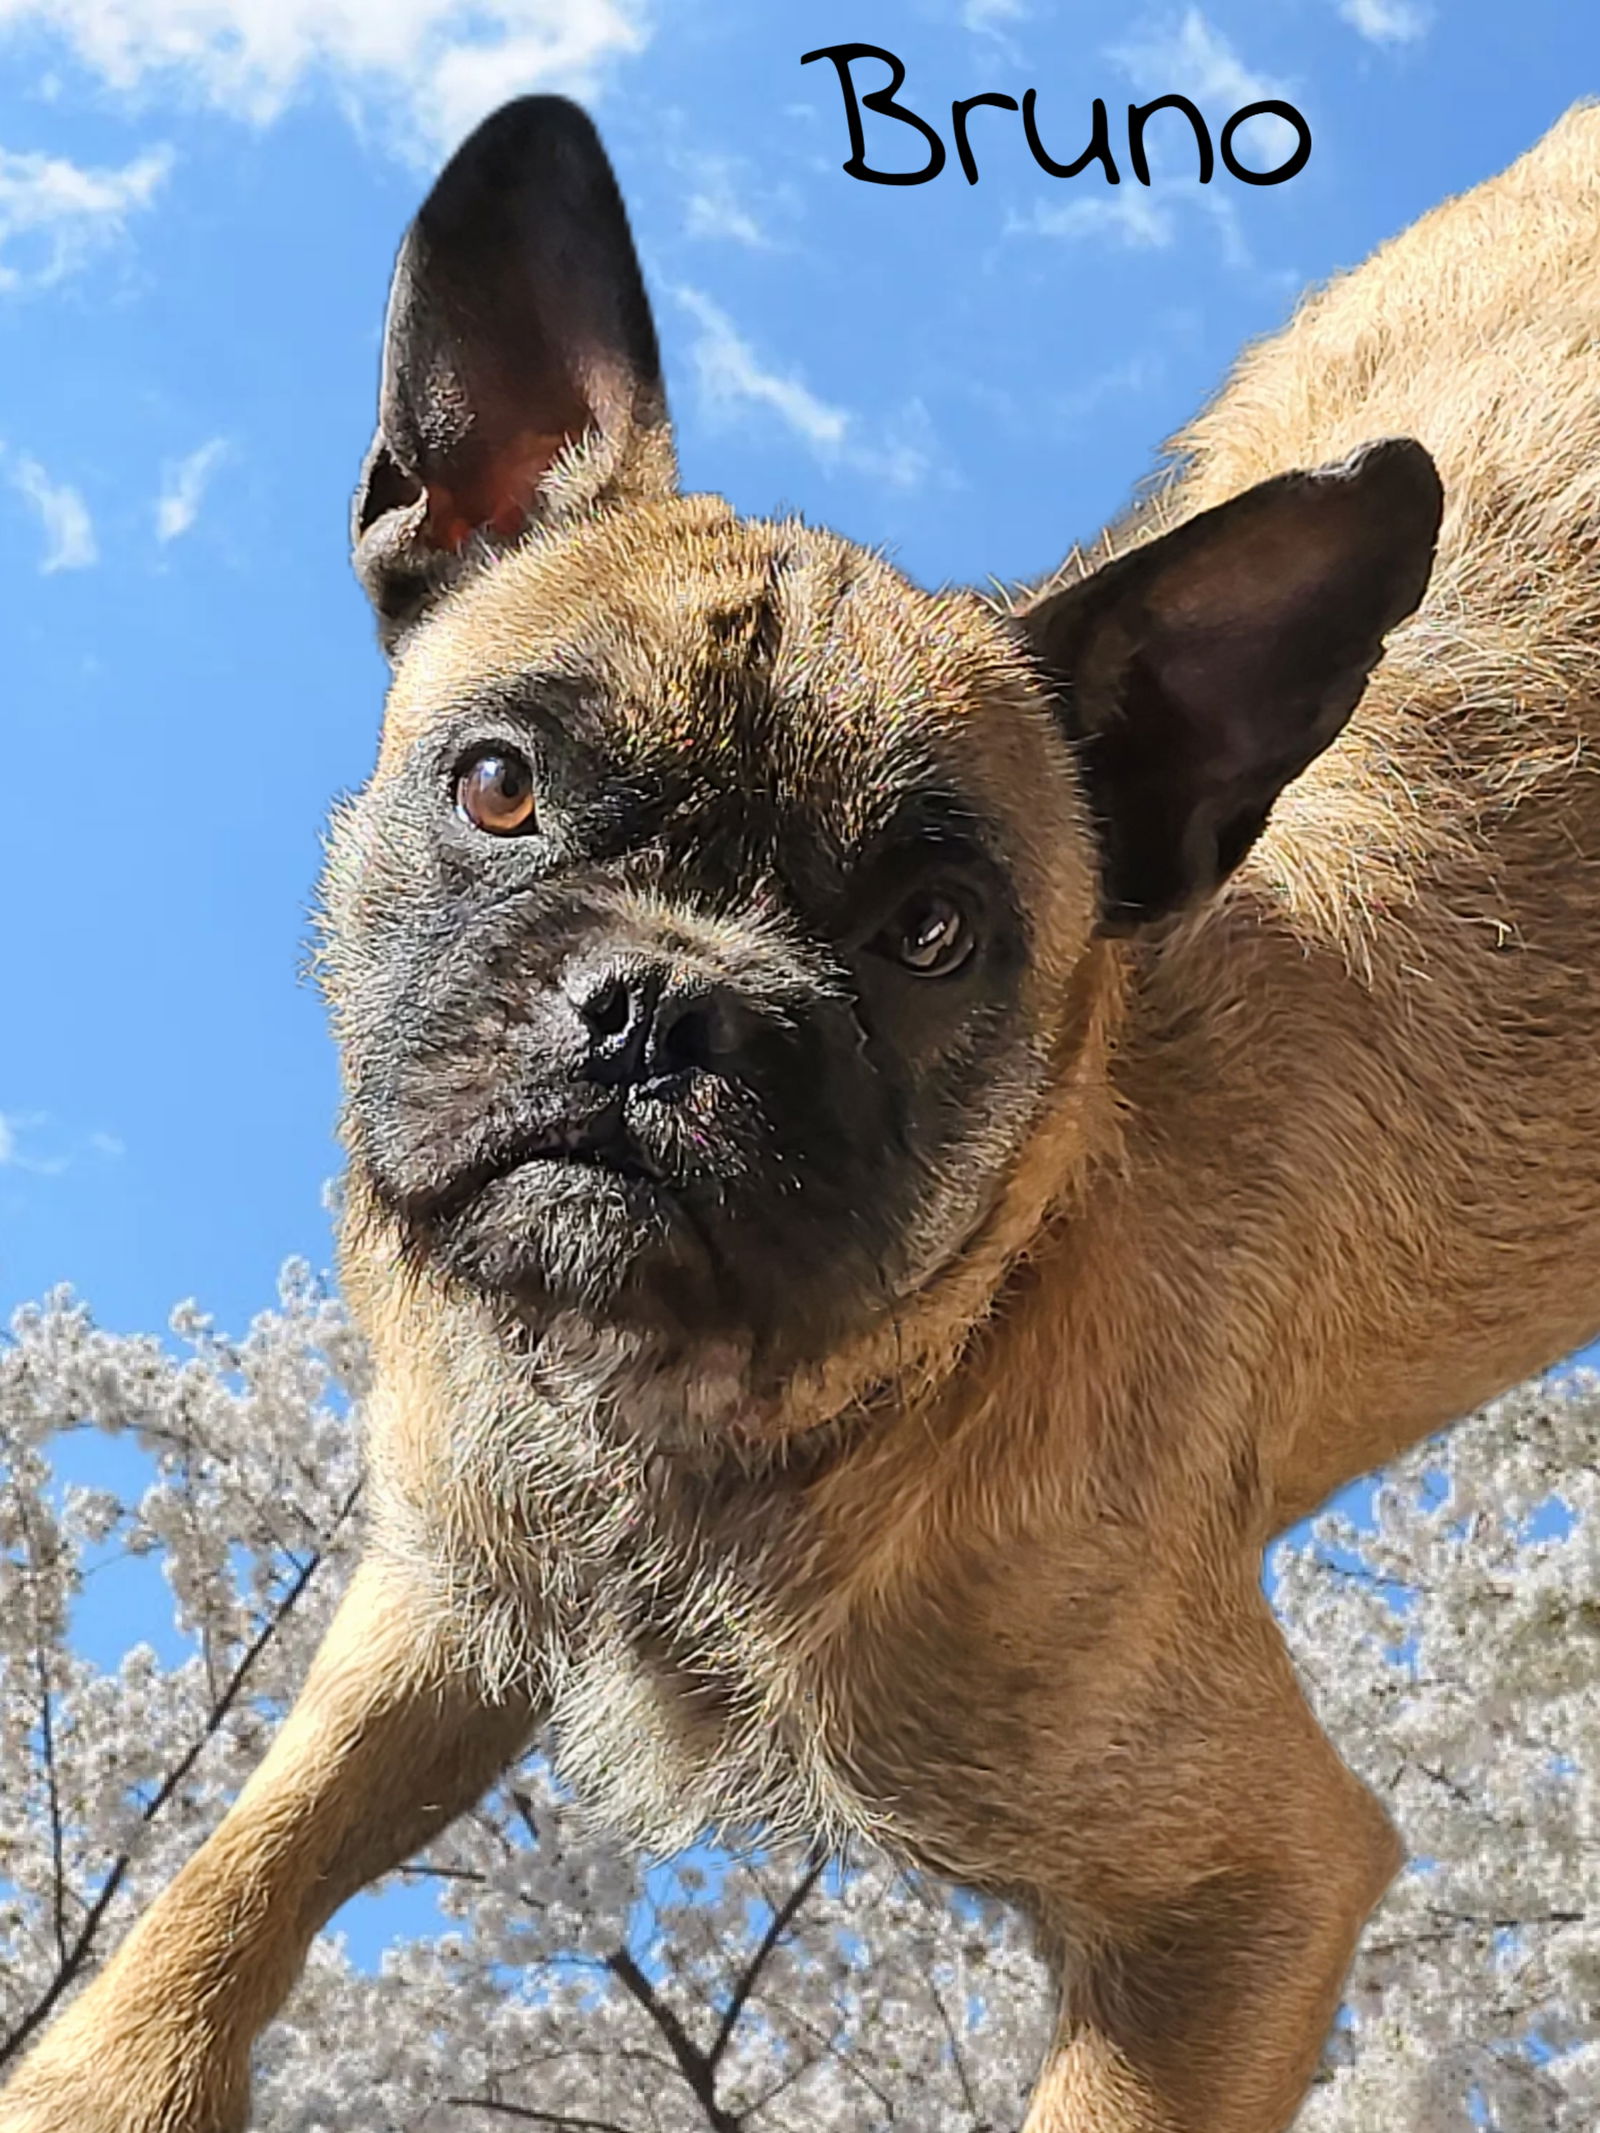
x=895 y=1140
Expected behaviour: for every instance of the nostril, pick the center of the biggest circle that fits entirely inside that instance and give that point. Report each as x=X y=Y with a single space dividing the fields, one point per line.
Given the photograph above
x=703 y=1032
x=608 y=1008
x=645 y=1021
x=687 y=1042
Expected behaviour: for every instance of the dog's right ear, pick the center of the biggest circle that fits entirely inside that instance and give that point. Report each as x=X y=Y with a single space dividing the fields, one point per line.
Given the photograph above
x=521 y=377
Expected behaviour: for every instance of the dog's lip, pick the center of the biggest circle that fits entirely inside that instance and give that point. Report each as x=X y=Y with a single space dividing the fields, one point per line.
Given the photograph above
x=597 y=1138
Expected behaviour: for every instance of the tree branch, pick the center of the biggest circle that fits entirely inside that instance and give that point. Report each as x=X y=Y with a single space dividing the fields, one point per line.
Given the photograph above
x=845 y=2061
x=779 y=1924
x=530 y=2115
x=694 y=2064
x=47 y=1740
x=949 y=2027
x=82 y=1947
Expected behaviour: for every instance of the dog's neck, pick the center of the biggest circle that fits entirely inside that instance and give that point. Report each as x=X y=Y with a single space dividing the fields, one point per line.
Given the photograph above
x=903 y=1360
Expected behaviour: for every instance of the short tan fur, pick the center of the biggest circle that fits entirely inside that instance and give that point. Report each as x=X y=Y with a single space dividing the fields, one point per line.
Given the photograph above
x=1261 y=1192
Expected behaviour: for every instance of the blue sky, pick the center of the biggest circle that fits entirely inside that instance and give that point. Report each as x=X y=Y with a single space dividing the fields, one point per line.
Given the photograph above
x=199 y=204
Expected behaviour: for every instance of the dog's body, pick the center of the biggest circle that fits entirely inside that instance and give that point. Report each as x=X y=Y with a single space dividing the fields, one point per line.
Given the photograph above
x=935 y=1508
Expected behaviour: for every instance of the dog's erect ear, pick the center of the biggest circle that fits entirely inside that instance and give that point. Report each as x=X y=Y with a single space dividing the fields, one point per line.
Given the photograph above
x=1200 y=673
x=521 y=377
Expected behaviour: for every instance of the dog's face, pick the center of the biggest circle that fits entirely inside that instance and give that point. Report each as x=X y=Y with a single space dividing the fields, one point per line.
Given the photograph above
x=686 y=978
x=700 y=949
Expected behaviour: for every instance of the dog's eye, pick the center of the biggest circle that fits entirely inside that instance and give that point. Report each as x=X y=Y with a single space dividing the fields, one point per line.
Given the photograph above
x=931 y=935
x=495 y=792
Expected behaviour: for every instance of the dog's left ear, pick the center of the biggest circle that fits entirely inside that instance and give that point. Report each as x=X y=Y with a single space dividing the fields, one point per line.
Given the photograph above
x=1200 y=673
x=521 y=376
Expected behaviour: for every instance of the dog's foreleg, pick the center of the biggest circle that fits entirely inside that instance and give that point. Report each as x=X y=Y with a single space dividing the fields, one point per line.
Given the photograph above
x=1202 y=2006
x=388 y=1742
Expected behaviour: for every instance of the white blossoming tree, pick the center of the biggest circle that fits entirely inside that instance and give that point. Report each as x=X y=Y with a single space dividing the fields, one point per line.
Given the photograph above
x=1452 y=1644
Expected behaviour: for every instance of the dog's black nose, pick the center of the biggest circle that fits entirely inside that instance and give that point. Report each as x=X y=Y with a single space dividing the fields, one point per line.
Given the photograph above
x=647 y=1021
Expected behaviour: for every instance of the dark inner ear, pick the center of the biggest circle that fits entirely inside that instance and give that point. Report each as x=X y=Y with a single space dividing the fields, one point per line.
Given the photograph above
x=518 y=324
x=1200 y=673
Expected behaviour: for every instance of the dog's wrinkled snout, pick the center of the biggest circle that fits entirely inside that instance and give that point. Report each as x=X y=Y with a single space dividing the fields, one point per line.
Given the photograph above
x=647 y=1020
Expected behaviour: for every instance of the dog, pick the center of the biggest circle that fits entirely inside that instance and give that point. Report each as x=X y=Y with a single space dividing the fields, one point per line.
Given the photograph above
x=896 y=1139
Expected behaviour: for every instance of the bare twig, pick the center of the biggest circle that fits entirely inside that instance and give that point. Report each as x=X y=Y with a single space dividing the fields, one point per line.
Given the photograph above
x=531 y=2115
x=949 y=2027
x=78 y=1954
x=694 y=2064
x=47 y=1743
x=779 y=1924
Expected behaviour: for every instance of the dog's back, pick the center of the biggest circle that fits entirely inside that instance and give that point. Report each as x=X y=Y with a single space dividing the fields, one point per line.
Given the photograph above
x=1406 y=988
x=1477 y=331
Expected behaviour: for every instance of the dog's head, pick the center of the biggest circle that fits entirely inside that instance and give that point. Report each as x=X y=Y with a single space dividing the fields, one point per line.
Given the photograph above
x=701 y=948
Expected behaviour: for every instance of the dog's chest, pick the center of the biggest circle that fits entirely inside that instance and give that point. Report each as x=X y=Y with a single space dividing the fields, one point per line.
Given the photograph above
x=679 y=1696
x=705 y=1667
x=704 y=1677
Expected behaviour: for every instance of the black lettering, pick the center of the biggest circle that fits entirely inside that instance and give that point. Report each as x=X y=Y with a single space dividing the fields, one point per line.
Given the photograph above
x=1138 y=117
x=1297 y=160
x=958 y=120
x=1099 y=148
x=881 y=101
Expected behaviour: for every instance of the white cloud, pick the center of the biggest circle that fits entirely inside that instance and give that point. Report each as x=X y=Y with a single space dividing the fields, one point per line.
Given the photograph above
x=435 y=66
x=1138 y=218
x=183 y=488
x=68 y=528
x=54 y=213
x=19 y=1140
x=1073 y=407
x=1196 y=61
x=731 y=373
x=720 y=203
x=990 y=15
x=1187 y=58
x=1387 y=21
x=13 y=1129
x=1131 y=216
x=732 y=376
x=1192 y=59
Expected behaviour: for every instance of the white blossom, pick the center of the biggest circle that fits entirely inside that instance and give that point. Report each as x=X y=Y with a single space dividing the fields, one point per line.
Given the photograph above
x=1452 y=1644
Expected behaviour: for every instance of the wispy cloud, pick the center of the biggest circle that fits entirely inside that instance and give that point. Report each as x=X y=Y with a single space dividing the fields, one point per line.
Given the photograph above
x=1136 y=219
x=1072 y=408
x=13 y=1155
x=68 y=528
x=19 y=1146
x=991 y=15
x=732 y=377
x=1387 y=21
x=433 y=66
x=1189 y=54
x=721 y=204
x=54 y=213
x=183 y=488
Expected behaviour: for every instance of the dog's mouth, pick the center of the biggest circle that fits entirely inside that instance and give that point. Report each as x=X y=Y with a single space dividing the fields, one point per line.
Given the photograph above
x=603 y=1138
x=599 y=1139
x=576 y=1207
x=653 y=1207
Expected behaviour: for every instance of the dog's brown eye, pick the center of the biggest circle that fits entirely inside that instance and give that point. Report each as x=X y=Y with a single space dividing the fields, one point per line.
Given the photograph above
x=931 y=935
x=495 y=793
